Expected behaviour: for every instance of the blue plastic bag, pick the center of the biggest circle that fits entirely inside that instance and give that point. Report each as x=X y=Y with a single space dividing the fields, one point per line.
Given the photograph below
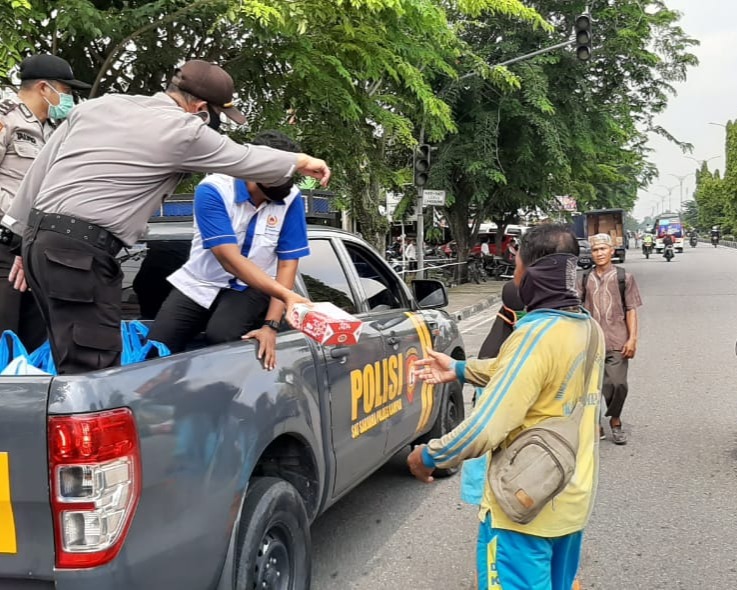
x=11 y=348
x=136 y=348
x=136 y=345
x=473 y=473
x=473 y=479
x=41 y=358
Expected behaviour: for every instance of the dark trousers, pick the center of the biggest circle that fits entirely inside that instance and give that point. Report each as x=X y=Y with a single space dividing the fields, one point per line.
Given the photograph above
x=615 y=386
x=78 y=290
x=18 y=311
x=232 y=315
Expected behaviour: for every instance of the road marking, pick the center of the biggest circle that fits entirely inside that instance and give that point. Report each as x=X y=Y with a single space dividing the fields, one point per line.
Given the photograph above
x=477 y=324
x=8 y=543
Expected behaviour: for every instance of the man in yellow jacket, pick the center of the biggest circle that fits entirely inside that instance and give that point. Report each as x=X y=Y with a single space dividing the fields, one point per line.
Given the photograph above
x=538 y=374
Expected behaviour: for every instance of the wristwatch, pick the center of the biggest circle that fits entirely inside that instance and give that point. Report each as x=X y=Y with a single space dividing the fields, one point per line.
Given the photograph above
x=273 y=324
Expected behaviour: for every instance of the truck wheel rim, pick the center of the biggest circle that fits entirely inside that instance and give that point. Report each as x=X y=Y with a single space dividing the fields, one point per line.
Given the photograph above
x=273 y=567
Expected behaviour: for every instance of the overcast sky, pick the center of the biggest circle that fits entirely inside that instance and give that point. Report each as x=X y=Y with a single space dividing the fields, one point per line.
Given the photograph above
x=708 y=96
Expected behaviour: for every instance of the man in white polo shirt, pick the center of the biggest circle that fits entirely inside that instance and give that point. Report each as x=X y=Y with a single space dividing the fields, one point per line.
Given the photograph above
x=236 y=219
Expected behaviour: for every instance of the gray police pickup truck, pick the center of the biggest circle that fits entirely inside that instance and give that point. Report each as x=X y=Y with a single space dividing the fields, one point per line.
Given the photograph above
x=202 y=470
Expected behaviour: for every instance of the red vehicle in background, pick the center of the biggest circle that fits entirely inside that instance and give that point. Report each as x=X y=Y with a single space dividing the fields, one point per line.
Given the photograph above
x=490 y=239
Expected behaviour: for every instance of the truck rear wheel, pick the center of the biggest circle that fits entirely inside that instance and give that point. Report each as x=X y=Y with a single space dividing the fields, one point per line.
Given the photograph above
x=275 y=551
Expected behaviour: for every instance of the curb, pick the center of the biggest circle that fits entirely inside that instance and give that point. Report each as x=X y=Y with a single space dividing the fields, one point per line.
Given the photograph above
x=467 y=312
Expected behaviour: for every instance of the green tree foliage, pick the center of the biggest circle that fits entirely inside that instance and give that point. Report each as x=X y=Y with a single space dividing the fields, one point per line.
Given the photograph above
x=571 y=128
x=716 y=197
x=690 y=214
x=14 y=25
x=352 y=79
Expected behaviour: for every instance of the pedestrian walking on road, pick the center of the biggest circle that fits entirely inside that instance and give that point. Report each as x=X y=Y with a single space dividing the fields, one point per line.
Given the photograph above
x=45 y=95
x=611 y=296
x=97 y=182
x=526 y=541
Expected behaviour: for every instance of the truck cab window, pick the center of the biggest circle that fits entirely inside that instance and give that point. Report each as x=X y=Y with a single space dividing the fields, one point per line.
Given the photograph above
x=381 y=288
x=324 y=277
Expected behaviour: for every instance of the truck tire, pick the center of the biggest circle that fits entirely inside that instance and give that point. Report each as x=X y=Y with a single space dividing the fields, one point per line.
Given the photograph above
x=452 y=413
x=275 y=550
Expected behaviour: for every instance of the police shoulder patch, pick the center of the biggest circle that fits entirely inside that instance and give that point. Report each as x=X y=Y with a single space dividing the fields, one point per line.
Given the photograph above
x=7 y=106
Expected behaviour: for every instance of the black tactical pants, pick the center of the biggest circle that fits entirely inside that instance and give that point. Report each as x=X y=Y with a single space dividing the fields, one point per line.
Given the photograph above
x=18 y=311
x=233 y=314
x=78 y=290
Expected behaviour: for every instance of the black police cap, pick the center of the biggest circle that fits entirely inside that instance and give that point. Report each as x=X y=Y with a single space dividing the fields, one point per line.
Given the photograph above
x=50 y=67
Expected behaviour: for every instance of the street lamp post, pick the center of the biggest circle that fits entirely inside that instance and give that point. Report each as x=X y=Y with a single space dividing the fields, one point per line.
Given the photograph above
x=702 y=162
x=670 y=190
x=680 y=183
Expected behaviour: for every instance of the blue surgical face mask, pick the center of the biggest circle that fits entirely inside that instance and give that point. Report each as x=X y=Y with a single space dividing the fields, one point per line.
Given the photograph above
x=61 y=111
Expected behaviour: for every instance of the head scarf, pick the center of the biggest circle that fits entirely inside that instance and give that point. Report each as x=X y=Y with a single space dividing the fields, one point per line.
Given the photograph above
x=550 y=283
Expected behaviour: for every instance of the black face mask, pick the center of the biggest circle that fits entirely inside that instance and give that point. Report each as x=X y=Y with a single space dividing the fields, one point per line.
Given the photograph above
x=214 y=122
x=550 y=283
x=276 y=193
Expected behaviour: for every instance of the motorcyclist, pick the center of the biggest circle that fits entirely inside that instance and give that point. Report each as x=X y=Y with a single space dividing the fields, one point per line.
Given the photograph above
x=667 y=243
x=647 y=242
x=715 y=234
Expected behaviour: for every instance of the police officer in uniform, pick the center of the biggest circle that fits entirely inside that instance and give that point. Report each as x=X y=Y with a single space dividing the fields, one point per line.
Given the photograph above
x=101 y=176
x=25 y=124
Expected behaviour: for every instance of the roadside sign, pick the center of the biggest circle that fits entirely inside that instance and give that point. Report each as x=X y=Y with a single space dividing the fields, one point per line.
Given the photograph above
x=433 y=198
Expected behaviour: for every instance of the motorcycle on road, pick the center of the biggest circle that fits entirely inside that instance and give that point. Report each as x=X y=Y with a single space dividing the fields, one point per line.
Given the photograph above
x=715 y=241
x=647 y=249
x=669 y=253
x=693 y=241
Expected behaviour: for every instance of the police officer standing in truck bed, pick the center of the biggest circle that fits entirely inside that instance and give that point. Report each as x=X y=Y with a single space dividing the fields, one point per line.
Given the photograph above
x=46 y=83
x=99 y=179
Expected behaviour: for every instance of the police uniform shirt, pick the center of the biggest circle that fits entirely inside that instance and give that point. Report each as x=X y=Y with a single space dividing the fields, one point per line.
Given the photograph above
x=224 y=214
x=22 y=136
x=117 y=157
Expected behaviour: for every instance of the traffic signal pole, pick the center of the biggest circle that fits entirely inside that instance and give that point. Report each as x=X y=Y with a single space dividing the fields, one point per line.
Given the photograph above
x=420 y=246
x=527 y=56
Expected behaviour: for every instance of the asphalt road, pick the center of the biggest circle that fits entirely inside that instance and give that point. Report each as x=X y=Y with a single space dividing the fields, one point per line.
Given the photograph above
x=666 y=511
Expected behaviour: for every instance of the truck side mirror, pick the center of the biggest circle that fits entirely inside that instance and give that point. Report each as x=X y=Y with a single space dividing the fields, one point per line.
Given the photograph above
x=429 y=293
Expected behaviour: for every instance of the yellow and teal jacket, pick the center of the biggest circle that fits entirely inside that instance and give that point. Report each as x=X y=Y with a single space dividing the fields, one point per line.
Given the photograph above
x=539 y=374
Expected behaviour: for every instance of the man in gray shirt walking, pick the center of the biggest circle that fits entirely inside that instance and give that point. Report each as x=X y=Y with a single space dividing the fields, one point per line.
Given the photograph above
x=101 y=176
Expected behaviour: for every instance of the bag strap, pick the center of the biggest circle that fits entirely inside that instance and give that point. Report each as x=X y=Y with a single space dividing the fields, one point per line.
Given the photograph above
x=622 y=281
x=584 y=282
x=591 y=351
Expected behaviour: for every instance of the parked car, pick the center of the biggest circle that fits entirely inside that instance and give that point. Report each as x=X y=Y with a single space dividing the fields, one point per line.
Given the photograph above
x=202 y=470
x=584 y=256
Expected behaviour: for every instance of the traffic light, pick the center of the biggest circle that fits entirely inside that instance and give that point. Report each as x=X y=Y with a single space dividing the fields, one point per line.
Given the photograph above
x=583 y=37
x=421 y=164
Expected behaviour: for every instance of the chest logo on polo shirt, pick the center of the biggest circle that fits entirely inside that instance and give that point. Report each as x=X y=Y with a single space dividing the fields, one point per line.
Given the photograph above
x=272 y=220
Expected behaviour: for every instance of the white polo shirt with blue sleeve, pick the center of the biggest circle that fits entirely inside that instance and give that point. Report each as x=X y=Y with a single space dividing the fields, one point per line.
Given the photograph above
x=224 y=214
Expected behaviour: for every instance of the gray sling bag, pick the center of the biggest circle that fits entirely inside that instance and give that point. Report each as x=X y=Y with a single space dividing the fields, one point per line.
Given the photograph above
x=539 y=463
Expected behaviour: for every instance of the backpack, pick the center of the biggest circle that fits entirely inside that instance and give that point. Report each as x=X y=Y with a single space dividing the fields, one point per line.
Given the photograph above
x=539 y=464
x=621 y=281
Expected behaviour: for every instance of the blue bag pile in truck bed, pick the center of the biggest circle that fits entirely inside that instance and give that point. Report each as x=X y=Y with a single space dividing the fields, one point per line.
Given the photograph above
x=16 y=360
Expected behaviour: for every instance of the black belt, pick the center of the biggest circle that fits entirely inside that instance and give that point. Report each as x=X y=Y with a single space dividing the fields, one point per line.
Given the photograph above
x=78 y=229
x=6 y=236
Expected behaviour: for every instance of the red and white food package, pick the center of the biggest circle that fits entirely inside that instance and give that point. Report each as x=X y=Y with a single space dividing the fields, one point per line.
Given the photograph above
x=327 y=324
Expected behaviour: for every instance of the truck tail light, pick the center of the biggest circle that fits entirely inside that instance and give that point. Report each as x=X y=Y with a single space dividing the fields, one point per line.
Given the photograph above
x=95 y=468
